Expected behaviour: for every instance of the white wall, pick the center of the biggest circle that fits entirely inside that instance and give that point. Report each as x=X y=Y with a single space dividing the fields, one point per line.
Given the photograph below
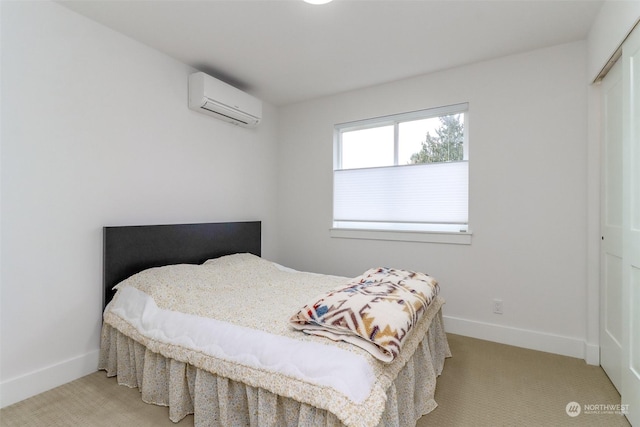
x=95 y=132
x=528 y=195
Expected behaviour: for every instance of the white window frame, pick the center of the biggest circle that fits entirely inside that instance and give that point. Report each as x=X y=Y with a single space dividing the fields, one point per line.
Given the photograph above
x=414 y=232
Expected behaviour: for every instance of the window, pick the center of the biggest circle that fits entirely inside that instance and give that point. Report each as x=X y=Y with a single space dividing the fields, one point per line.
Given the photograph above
x=403 y=173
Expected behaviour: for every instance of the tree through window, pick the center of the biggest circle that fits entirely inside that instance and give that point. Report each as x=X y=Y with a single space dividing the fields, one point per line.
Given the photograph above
x=446 y=145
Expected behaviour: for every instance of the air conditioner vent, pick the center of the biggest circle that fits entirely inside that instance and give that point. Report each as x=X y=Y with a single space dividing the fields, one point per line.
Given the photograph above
x=213 y=97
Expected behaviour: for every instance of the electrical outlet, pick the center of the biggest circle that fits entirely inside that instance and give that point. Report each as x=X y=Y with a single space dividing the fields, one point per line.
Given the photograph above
x=497 y=306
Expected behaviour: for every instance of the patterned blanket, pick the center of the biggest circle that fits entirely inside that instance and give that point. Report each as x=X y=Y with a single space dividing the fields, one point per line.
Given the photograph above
x=375 y=311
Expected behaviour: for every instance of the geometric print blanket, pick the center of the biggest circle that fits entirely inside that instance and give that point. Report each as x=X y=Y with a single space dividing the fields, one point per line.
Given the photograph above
x=375 y=311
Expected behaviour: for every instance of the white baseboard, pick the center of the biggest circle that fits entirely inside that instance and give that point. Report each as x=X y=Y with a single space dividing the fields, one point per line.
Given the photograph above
x=524 y=338
x=25 y=386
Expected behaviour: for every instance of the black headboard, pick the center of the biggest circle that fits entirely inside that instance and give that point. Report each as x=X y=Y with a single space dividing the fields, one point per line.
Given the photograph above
x=131 y=249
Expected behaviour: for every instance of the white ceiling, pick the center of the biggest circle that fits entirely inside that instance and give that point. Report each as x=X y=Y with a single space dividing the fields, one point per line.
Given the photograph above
x=286 y=51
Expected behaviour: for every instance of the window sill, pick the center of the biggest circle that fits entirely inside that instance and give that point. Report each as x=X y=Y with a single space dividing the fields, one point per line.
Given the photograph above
x=458 y=238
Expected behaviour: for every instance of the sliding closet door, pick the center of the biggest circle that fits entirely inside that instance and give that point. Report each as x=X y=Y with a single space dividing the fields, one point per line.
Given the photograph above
x=620 y=249
x=631 y=227
x=611 y=247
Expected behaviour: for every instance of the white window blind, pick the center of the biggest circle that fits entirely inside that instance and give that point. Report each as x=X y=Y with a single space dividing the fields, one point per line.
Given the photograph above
x=435 y=193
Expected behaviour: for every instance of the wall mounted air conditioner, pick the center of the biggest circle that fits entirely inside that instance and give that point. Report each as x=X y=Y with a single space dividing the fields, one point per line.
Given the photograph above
x=211 y=96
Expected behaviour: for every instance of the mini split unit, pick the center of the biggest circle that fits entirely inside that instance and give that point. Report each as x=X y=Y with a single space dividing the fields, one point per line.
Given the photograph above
x=213 y=97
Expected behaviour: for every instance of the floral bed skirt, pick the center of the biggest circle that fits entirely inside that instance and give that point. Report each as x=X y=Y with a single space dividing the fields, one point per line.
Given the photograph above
x=220 y=402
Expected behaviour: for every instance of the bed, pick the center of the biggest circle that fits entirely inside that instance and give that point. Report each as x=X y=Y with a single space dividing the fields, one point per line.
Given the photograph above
x=236 y=359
